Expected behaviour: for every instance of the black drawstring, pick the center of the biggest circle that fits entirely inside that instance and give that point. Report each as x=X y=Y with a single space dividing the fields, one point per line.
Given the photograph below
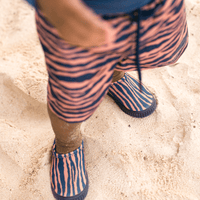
x=138 y=50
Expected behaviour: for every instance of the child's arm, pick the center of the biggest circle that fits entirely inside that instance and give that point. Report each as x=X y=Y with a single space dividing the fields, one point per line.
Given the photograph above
x=75 y=22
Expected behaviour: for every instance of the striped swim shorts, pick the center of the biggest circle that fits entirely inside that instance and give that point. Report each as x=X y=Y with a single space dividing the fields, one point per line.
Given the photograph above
x=155 y=35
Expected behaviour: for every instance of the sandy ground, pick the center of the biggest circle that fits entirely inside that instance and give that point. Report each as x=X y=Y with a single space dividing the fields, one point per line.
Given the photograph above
x=155 y=158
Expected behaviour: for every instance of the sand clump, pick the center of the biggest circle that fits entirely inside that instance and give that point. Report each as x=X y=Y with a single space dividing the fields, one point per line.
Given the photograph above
x=155 y=158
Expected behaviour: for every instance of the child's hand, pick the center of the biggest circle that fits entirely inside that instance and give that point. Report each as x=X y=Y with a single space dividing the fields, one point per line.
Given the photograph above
x=75 y=22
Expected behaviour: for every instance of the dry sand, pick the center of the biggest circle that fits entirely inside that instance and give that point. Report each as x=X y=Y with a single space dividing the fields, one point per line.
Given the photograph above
x=155 y=158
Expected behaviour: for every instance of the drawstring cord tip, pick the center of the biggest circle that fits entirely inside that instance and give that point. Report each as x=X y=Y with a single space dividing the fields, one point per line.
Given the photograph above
x=140 y=85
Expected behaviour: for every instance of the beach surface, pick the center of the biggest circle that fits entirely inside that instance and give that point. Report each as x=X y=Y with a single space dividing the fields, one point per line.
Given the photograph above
x=155 y=158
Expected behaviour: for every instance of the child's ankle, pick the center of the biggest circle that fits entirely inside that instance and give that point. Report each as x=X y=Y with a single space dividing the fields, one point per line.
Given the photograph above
x=117 y=75
x=67 y=147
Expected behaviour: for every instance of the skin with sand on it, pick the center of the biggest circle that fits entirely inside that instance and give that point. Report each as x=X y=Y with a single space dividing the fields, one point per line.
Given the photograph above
x=155 y=158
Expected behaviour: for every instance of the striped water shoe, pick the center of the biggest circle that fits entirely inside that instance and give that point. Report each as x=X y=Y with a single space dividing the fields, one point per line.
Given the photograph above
x=133 y=101
x=69 y=180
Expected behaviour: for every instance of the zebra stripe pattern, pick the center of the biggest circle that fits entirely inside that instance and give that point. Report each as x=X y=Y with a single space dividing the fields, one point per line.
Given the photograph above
x=79 y=78
x=68 y=174
x=126 y=93
x=163 y=35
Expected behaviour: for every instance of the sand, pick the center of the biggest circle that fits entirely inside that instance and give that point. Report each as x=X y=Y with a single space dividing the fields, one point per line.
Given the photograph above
x=155 y=158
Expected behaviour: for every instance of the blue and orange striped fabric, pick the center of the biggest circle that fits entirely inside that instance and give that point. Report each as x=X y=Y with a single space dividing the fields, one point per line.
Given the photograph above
x=68 y=173
x=126 y=93
x=79 y=78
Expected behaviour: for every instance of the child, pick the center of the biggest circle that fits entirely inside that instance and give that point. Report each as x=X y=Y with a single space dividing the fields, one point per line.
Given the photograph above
x=88 y=47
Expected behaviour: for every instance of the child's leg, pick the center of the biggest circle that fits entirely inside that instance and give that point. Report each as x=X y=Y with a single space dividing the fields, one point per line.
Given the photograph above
x=68 y=135
x=69 y=178
x=117 y=75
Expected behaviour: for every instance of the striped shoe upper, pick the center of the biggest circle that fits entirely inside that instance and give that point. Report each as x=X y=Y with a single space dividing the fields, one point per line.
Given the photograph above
x=126 y=91
x=68 y=174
